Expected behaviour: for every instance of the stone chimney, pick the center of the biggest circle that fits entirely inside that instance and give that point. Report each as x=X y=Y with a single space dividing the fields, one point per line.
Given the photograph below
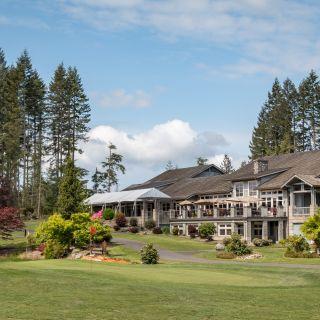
x=259 y=166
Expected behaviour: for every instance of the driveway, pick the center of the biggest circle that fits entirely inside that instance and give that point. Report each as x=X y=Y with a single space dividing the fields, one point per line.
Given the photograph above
x=189 y=257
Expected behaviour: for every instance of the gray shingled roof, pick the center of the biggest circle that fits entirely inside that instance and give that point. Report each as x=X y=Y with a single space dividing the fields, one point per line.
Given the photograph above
x=171 y=176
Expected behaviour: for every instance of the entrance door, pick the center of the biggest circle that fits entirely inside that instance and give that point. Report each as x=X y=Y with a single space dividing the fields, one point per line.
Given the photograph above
x=273 y=230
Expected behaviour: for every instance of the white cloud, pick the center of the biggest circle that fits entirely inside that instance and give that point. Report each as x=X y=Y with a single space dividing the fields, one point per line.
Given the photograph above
x=147 y=152
x=120 y=98
x=269 y=36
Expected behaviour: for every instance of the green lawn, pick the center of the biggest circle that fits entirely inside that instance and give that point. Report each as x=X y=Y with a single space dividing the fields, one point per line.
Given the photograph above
x=18 y=240
x=66 y=289
x=207 y=250
x=169 y=242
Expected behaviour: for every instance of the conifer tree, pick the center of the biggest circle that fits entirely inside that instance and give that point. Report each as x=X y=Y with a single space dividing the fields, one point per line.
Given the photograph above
x=292 y=98
x=170 y=166
x=112 y=166
x=226 y=164
x=200 y=161
x=96 y=181
x=71 y=190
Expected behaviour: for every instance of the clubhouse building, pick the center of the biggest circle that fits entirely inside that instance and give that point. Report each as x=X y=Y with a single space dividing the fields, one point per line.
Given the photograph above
x=268 y=198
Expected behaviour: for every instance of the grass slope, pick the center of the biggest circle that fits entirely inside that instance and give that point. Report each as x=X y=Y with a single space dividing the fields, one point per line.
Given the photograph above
x=65 y=289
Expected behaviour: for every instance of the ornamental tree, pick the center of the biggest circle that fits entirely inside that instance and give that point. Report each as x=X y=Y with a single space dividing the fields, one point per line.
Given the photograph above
x=311 y=229
x=9 y=221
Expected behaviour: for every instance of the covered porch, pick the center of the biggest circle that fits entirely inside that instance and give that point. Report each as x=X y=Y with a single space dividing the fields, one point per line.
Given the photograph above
x=143 y=204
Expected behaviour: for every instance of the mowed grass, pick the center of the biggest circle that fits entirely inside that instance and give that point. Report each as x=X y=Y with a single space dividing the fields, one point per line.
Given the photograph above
x=168 y=242
x=66 y=289
x=207 y=249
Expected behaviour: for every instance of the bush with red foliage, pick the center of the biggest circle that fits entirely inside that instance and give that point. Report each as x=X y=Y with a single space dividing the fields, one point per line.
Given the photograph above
x=121 y=220
x=9 y=221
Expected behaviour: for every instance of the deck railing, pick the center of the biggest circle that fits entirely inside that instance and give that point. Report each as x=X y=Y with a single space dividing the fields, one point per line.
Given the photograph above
x=301 y=211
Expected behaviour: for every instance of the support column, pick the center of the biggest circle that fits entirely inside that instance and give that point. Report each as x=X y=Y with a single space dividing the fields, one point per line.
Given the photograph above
x=313 y=202
x=199 y=211
x=265 y=230
x=248 y=231
x=280 y=230
x=144 y=212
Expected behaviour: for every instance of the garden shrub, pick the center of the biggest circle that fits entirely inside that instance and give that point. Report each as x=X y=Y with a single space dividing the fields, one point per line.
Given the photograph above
x=97 y=215
x=149 y=255
x=225 y=255
x=116 y=228
x=192 y=230
x=226 y=241
x=175 y=231
x=54 y=250
x=108 y=214
x=311 y=229
x=121 y=220
x=31 y=240
x=102 y=232
x=55 y=228
x=207 y=230
x=81 y=237
x=157 y=230
x=165 y=230
x=149 y=224
x=237 y=246
x=261 y=242
x=133 y=222
x=296 y=243
x=291 y=254
x=81 y=225
x=133 y=229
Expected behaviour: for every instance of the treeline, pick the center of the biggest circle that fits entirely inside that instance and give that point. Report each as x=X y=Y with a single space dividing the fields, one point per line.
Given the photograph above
x=289 y=120
x=40 y=127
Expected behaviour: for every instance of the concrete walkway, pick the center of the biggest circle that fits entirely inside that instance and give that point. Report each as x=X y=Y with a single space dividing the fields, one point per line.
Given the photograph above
x=189 y=257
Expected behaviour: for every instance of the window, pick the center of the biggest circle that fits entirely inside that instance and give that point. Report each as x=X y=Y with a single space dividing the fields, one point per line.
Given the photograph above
x=225 y=229
x=253 y=188
x=296 y=228
x=297 y=187
x=239 y=189
x=257 y=230
x=240 y=229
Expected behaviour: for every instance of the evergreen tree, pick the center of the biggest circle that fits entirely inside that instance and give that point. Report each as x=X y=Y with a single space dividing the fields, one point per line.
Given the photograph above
x=71 y=190
x=170 y=166
x=243 y=164
x=292 y=99
x=112 y=166
x=226 y=164
x=273 y=133
x=78 y=112
x=259 y=145
x=57 y=110
x=303 y=135
x=200 y=161
x=96 y=180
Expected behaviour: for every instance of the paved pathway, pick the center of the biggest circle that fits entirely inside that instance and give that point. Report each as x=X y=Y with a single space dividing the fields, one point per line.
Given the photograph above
x=189 y=257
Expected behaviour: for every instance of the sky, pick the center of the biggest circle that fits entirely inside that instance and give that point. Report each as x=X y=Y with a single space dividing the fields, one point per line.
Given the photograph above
x=167 y=80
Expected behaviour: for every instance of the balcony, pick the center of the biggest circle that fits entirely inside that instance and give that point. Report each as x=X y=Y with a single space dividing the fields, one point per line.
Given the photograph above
x=301 y=211
x=228 y=213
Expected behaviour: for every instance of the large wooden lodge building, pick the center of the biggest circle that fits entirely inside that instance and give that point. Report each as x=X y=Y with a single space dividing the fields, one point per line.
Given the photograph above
x=268 y=198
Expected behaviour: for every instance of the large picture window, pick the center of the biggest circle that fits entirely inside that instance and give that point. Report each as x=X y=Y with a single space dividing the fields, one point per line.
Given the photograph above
x=253 y=188
x=225 y=229
x=239 y=189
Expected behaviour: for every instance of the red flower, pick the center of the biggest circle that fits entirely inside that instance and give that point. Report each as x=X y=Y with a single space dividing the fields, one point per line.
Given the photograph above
x=93 y=230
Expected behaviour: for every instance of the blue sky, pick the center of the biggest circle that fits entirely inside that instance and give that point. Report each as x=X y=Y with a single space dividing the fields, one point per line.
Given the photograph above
x=167 y=80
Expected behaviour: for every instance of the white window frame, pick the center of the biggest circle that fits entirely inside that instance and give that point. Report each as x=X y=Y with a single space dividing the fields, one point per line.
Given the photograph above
x=239 y=185
x=225 y=227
